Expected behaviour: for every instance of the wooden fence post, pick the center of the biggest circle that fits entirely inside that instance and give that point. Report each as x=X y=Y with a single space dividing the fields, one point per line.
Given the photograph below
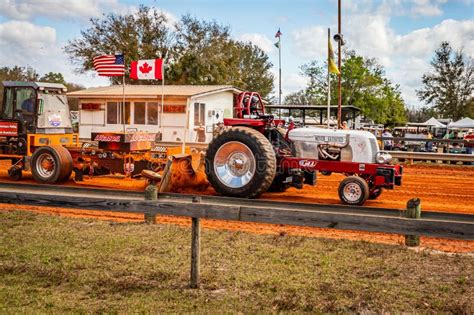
x=413 y=212
x=195 y=252
x=151 y=193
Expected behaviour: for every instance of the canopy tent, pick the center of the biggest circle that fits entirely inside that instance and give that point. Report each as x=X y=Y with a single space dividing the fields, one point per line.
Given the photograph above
x=464 y=123
x=434 y=123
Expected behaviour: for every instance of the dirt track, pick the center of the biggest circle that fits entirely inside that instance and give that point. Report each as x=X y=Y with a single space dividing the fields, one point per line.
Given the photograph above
x=441 y=188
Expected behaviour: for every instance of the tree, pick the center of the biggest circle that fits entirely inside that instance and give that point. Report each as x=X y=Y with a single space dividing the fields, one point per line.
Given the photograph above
x=16 y=73
x=363 y=85
x=450 y=86
x=140 y=35
x=53 y=77
x=198 y=52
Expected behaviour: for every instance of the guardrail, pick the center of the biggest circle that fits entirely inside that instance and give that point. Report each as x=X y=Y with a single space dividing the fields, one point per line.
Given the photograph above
x=431 y=156
x=410 y=222
x=402 y=139
x=436 y=224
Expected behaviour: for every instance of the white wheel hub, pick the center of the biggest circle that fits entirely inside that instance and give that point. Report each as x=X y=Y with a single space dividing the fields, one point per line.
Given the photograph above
x=234 y=164
x=352 y=192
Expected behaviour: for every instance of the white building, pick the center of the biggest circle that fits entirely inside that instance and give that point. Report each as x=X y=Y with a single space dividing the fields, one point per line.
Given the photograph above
x=101 y=109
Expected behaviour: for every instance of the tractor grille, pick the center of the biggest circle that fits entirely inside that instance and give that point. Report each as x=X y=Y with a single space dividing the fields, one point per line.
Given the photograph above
x=375 y=148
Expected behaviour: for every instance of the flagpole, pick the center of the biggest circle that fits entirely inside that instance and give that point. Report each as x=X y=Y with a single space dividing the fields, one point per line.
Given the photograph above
x=162 y=96
x=329 y=80
x=279 y=69
x=123 y=101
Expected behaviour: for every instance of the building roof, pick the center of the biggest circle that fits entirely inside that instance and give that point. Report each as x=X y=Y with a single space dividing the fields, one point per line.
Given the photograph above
x=34 y=85
x=153 y=90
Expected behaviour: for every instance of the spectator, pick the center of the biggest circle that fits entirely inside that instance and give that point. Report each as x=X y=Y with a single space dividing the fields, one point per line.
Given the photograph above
x=344 y=125
x=387 y=143
x=469 y=140
x=429 y=144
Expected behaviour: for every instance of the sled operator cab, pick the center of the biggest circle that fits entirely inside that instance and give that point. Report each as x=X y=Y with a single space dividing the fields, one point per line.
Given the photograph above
x=35 y=126
x=33 y=114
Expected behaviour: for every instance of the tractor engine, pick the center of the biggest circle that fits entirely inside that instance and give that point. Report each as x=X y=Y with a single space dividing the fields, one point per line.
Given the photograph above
x=335 y=145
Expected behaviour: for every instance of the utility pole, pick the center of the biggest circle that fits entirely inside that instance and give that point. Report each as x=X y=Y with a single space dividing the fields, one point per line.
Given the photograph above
x=339 y=77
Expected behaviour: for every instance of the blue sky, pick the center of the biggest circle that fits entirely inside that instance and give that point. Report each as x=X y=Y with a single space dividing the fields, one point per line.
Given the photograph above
x=401 y=34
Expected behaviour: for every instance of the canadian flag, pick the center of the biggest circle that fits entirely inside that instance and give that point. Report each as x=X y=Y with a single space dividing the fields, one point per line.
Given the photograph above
x=146 y=69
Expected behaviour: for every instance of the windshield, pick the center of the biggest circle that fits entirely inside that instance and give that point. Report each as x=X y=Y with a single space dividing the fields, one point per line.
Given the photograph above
x=53 y=111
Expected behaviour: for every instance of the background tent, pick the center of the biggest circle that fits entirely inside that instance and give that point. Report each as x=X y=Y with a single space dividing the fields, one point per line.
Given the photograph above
x=434 y=123
x=464 y=123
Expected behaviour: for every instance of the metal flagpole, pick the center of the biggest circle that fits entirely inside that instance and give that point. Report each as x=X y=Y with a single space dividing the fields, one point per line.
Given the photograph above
x=123 y=101
x=162 y=96
x=329 y=80
x=279 y=69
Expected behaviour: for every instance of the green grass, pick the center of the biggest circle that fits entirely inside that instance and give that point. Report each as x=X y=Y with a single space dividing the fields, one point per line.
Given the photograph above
x=54 y=264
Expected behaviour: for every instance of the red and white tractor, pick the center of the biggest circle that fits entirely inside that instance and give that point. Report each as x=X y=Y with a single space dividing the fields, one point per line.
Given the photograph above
x=254 y=153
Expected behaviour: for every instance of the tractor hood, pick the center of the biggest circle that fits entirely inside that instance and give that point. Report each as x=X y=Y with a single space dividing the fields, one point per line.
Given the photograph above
x=362 y=145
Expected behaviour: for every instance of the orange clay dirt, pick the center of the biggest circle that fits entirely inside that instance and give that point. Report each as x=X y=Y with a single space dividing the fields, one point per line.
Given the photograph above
x=440 y=188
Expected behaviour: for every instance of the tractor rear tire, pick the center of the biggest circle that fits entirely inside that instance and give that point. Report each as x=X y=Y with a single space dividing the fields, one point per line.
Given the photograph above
x=354 y=190
x=51 y=164
x=240 y=162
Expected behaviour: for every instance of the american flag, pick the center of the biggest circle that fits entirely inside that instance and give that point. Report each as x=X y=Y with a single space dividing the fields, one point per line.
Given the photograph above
x=278 y=33
x=109 y=65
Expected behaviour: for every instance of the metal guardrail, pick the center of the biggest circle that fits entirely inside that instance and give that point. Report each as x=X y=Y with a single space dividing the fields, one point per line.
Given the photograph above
x=431 y=156
x=402 y=139
x=435 y=224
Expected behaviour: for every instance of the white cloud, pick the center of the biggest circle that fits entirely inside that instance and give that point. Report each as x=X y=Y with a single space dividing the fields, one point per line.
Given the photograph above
x=310 y=42
x=405 y=57
x=262 y=41
x=427 y=7
x=25 y=44
x=60 y=9
x=23 y=40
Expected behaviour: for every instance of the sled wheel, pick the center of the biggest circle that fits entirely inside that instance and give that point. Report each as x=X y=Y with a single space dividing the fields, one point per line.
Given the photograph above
x=240 y=162
x=14 y=173
x=353 y=190
x=51 y=164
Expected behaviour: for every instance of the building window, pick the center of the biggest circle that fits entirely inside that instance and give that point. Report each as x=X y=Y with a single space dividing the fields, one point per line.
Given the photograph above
x=152 y=113
x=199 y=114
x=140 y=110
x=114 y=113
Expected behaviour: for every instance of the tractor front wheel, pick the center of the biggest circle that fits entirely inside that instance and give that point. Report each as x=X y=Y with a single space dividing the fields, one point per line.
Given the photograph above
x=240 y=162
x=354 y=190
x=51 y=164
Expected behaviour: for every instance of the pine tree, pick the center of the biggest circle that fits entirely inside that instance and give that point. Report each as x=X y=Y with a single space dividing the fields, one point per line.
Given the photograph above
x=451 y=85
